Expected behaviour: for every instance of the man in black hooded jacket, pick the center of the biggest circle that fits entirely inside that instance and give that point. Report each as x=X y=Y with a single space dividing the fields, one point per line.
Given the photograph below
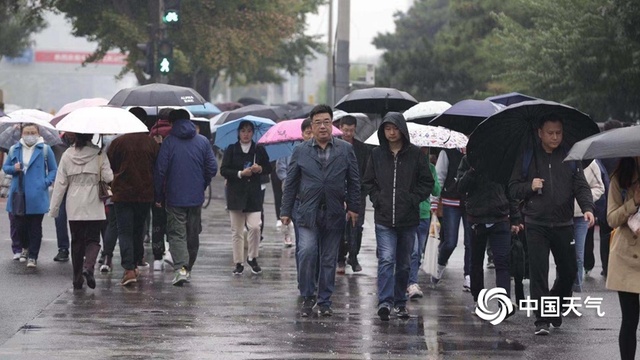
x=397 y=179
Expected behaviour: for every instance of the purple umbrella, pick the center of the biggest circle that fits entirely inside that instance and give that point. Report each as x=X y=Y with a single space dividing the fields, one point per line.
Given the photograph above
x=465 y=115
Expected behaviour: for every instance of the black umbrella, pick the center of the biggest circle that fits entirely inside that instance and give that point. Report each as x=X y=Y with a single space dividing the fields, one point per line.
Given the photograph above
x=157 y=95
x=614 y=143
x=510 y=98
x=274 y=113
x=495 y=144
x=465 y=115
x=376 y=100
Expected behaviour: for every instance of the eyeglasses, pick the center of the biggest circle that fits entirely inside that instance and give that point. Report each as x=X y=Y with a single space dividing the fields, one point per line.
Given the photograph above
x=326 y=123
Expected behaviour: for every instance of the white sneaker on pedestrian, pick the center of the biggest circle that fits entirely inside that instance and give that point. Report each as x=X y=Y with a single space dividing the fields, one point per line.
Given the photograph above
x=158 y=265
x=278 y=224
x=16 y=256
x=31 y=263
x=466 y=287
x=24 y=255
x=167 y=258
x=414 y=291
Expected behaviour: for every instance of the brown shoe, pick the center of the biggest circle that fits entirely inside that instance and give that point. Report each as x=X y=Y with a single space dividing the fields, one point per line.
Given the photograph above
x=128 y=278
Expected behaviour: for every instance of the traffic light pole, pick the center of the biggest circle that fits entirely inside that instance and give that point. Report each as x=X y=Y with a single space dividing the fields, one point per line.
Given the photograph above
x=162 y=35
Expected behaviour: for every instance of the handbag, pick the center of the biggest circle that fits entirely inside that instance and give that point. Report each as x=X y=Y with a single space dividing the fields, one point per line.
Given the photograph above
x=104 y=190
x=18 y=202
x=430 y=263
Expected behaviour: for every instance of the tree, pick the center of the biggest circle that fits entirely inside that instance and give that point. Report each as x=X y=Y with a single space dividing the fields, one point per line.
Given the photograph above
x=245 y=41
x=18 y=20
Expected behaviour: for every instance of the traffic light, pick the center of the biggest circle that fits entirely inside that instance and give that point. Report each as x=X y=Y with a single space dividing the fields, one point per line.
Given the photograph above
x=147 y=62
x=171 y=12
x=165 y=57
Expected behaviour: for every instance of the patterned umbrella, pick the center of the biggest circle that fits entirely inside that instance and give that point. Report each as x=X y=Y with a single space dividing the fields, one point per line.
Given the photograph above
x=429 y=136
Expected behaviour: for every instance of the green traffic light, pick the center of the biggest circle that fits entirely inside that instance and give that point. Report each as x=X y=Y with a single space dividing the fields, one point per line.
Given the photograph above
x=170 y=16
x=165 y=66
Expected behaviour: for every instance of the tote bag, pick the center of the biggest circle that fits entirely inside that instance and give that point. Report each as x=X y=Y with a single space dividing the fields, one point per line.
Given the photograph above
x=430 y=262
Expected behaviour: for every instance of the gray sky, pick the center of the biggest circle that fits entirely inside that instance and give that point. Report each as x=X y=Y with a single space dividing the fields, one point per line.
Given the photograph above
x=368 y=18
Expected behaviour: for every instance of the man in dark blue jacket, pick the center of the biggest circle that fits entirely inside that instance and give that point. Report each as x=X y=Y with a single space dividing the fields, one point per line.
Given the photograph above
x=183 y=171
x=397 y=180
x=319 y=171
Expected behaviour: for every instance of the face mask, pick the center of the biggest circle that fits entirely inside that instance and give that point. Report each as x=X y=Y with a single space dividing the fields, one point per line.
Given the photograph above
x=30 y=140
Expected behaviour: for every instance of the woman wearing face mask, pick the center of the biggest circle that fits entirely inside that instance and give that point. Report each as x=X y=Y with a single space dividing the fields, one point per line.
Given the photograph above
x=33 y=167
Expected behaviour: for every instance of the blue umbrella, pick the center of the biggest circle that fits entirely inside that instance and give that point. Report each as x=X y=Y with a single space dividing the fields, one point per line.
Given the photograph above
x=465 y=115
x=280 y=150
x=227 y=134
x=510 y=98
x=207 y=110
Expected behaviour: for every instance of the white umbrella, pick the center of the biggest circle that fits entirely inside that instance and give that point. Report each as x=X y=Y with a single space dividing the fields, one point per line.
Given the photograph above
x=426 y=110
x=10 y=130
x=429 y=136
x=33 y=116
x=101 y=120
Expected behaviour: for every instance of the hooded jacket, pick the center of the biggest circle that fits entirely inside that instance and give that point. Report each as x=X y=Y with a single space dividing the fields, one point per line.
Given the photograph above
x=184 y=167
x=161 y=127
x=78 y=175
x=397 y=184
x=35 y=180
x=132 y=158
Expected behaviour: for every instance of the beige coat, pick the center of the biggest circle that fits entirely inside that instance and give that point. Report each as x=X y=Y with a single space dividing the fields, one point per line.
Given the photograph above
x=594 y=179
x=624 y=257
x=78 y=176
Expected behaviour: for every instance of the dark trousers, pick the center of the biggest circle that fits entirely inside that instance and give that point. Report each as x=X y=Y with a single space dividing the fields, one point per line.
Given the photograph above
x=276 y=185
x=589 y=258
x=352 y=238
x=110 y=236
x=29 y=231
x=560 y=241
x=605 y=238
x=16 y=242
x=131 y=217
x=62 y=230
x=158 y=231
x=630 y=306
x=499 y=238
x=85 y=246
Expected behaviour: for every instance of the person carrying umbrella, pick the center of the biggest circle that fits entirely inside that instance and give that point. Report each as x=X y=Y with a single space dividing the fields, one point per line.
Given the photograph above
x=548 y=187
x=242 y=166
x=397 y=180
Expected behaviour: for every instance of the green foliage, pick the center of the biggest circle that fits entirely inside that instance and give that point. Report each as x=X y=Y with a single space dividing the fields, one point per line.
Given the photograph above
x=18 y=20
x=246 y=40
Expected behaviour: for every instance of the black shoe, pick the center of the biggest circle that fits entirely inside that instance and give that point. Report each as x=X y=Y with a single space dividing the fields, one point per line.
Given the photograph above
x=355 y=266
x=557 y=322
x=542 y=329
x=63 y=255
x=91 y=281
x=101 y=260
x=307 y=306
x=325 y=310
x=238 y=270
x=401 y=312
x=383 y=312
x=255 y=268
x=77 y=286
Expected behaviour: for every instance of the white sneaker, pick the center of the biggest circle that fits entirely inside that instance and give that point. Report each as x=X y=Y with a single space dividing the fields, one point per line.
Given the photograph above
x=105 y=268
x=466 y=287
x=158 y=265
x=278 y=224
x=16 y=256
x=23 y=255
x=414 y=291
x=168 y=259
x=31 y=263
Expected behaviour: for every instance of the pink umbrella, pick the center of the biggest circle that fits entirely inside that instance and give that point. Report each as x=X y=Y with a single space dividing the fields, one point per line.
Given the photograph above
x=82 y=103
x=282 y=137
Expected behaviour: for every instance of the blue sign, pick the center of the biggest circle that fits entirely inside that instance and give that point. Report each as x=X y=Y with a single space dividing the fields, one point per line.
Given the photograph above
x=25 y=58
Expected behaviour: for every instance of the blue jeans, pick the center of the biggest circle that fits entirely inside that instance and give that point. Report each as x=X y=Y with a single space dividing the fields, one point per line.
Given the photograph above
x=62 y=232
x=451 y=217
x=318 y=243
x=580 y=228
x=130 y=217
x=394 y=247
x=420 y=243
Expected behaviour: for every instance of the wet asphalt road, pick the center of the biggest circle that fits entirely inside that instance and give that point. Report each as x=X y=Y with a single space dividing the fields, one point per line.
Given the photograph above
x=219 y=316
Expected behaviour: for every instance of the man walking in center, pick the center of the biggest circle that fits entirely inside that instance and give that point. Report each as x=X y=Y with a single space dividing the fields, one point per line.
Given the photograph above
x=397 y=180
x=320 y=171
x=183 y=170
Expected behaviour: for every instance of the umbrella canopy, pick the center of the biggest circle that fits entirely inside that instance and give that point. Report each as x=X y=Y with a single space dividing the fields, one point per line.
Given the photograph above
x=465 y=115
x=11 y=132
x=425 y=111
x=157 y=95
x=207 y=110
x=67 y=108
x=101 y=120
x=496 y=143
x=429 y=136
x=281 y=138
x=510 y=98
x=376 y=100
x=364 y=125
x=274 y=113
x=614 y=143
x=227 y=133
